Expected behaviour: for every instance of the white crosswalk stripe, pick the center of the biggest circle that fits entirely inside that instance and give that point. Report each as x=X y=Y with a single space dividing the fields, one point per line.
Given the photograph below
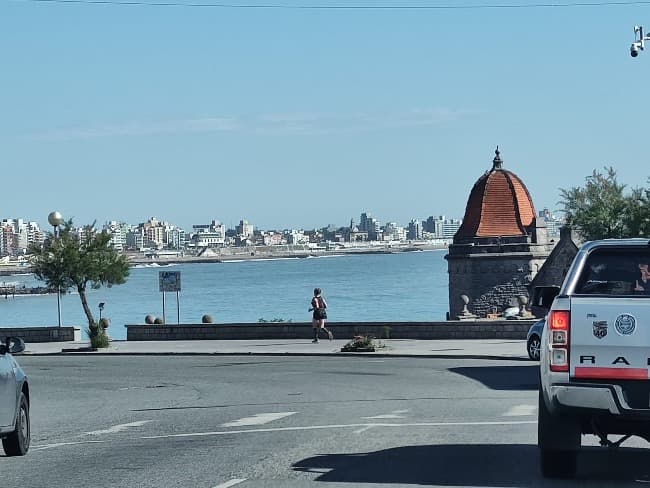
x=395 y=414
x=258 y=419
x=521 y=411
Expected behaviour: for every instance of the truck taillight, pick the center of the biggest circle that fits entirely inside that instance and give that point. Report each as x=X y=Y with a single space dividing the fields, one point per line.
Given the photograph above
x=559 y=322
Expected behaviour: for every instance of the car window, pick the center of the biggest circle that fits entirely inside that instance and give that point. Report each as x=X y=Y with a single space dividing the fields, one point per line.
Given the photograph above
x=616 y=273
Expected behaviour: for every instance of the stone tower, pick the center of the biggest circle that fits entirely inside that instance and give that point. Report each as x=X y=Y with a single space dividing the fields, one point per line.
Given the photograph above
x=498 y=249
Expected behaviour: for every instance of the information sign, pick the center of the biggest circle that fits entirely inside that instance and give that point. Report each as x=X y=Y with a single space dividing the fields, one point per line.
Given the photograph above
x=169 y=280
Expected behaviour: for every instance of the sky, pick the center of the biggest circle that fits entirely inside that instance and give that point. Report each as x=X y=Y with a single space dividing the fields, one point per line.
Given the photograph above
x=304 y=117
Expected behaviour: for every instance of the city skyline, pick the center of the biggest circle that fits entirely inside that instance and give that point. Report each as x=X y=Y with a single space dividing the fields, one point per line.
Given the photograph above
x=17 y=235
x=45 y=226
x=300 y=117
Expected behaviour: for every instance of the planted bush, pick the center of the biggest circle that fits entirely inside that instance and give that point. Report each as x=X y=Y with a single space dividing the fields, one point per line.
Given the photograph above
x=97 y=335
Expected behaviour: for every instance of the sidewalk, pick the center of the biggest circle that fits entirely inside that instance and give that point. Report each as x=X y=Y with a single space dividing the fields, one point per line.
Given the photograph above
x=458 y=348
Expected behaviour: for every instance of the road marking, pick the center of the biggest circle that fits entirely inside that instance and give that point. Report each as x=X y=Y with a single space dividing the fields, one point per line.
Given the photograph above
x=341 y=426
x=521 y=411
x=363 y=429
x=119 y=428
x=62 y=444
x=395 y=414
x=232 y=482
x=258 y=419
x=303 y=428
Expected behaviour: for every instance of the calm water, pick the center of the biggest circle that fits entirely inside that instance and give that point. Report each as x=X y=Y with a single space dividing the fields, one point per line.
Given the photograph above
x=403 y=286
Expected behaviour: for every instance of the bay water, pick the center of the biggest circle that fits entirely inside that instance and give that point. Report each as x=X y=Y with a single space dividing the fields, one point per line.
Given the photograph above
x=406 y=286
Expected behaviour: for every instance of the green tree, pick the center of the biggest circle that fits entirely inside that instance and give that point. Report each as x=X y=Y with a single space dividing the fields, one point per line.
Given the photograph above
x=637 y=213
x=600 y=209
x=74 y=260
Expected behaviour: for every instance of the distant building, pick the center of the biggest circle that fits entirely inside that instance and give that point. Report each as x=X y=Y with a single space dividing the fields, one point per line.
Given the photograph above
x=16 y=236
x=441 y=227
x=272 y=238
x=370 y=226
x=208 y=235
x=296 y=237
x=414 y=230
x=449 y=228
x=244 y=229
x=118 y=232
x=553 y=224
x=393 y=232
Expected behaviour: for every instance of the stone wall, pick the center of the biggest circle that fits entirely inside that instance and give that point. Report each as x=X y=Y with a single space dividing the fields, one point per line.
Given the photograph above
x=491 y=281
x=480 y=329
x=42 y=334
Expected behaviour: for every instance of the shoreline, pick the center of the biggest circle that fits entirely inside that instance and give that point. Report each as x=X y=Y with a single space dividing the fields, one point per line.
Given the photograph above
x=250 y=254
x=269 y=254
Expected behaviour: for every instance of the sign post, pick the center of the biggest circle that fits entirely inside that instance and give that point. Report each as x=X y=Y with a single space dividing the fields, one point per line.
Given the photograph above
x=170 y=281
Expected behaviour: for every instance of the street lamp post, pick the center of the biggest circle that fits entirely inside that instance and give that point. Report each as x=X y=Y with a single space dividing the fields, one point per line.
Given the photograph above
x=101 y=307
x=56 y=219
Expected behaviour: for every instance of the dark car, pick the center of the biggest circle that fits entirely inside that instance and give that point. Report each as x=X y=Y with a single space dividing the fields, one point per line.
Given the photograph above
x=534 y=339
x=14 y=400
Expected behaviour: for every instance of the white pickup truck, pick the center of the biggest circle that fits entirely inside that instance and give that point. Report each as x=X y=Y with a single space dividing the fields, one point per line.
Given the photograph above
x=595 y=354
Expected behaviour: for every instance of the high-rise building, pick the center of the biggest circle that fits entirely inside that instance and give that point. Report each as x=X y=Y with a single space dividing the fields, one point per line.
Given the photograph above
x=16 y=236
x=371 y=226
x=244 y=229
x=553 y=223
x=414 y=230
x=118 y=232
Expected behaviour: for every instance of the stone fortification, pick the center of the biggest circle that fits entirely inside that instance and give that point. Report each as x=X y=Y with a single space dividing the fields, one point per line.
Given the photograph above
x=499 y=248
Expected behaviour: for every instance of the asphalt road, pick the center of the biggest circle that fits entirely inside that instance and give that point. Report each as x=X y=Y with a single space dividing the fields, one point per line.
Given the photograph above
x=218 y=422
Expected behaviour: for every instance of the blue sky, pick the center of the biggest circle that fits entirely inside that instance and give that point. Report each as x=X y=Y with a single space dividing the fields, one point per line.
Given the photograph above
x=303 y=118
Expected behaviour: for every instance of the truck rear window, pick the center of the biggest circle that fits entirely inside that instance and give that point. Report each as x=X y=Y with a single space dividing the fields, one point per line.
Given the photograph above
x=616 y=272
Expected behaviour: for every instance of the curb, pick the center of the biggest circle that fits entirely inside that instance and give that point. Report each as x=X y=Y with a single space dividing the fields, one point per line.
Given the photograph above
x=488 y=357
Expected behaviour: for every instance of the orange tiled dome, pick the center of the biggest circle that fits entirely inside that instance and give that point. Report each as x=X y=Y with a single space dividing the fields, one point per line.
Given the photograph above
x=498 y=205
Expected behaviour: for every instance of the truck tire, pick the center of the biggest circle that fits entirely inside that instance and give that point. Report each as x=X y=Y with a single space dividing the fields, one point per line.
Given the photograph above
x=558 y=439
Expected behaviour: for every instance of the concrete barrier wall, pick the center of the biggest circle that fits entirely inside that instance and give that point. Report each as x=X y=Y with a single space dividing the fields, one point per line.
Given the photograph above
x=481 y=329
x=42 y=334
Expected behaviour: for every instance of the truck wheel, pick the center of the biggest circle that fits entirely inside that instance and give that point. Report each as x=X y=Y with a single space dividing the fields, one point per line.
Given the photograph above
x=17 y=443
x=558 y=438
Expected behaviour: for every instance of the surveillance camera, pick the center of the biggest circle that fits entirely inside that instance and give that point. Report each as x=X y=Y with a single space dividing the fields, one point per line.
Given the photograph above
x=634 y=50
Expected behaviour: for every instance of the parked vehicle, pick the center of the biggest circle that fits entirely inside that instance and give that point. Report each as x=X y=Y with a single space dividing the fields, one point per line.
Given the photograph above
x=594 y=364
x=14 y=400
x=534 y=339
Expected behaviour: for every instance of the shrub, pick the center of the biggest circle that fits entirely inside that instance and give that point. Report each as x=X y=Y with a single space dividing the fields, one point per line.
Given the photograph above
x=97 y=336
x=158 y=321
x=207 y=319
x=387 y=331
x=360 y=343
x=149 y=319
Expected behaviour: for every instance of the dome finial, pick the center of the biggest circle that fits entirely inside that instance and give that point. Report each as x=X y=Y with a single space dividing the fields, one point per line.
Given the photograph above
x=497 y=162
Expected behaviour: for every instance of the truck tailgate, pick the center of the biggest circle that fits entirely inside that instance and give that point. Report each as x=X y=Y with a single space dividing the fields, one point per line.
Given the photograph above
x=610 y=338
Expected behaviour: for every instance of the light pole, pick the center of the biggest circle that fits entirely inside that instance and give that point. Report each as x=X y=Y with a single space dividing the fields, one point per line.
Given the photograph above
x=101 y=307
x=56 y=219
x=639 y=41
